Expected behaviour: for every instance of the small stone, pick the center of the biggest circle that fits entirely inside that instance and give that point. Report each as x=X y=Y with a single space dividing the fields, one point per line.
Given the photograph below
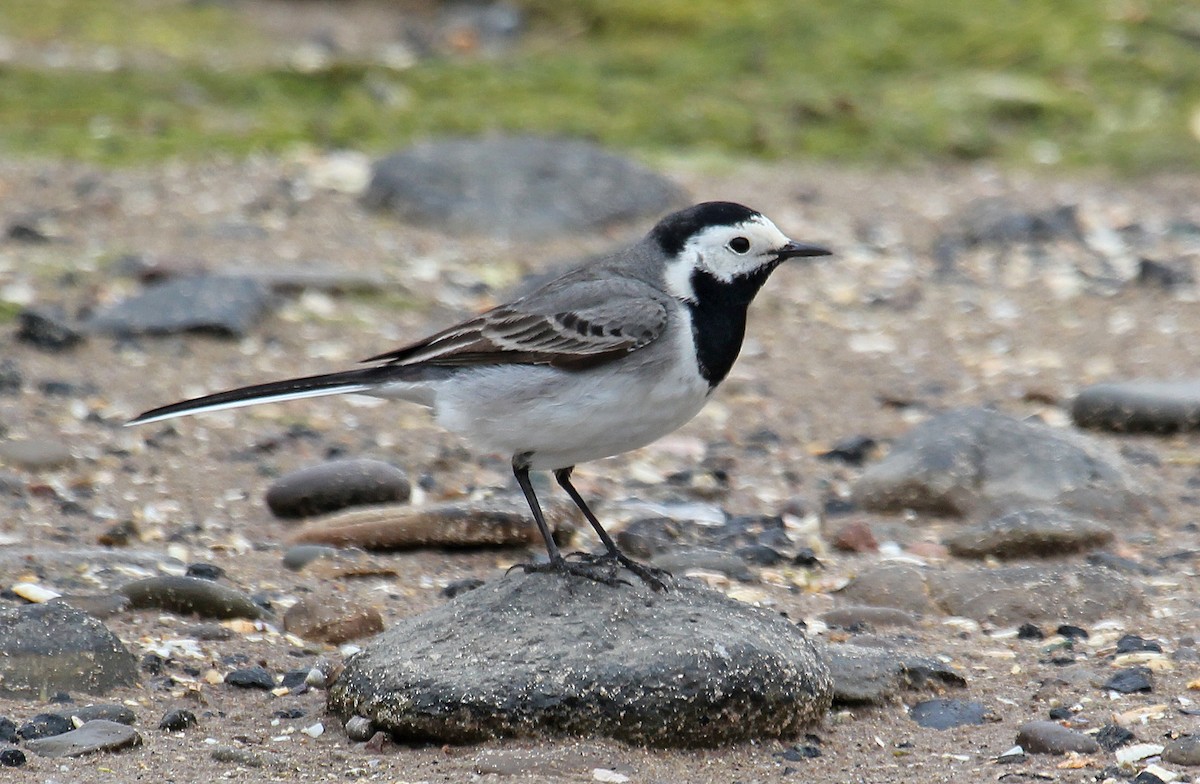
x=1048 y=737
x=191 y=595
x=1032 y=532
x=855 y=537
x=47 y=330
x=877 y=675
x=204 y=571
x=1131 y=643
x=44 y=725
x=457 y=587
x=314 y=730
x=112 y=712
x=226 y=306
x=452 y=524
x=1113 y=736
x=331 y=619
x=251 y=678
x=703 y=559
x=359 y=729
x=11 y=379
x=177 y=720
x=759 y=555
x=1030 y=631
x=1138 y=752
x=12 y=758
x=1184 y=750
x=851 y=451
x=8 y=730
x=1139 y=406
x=1131 y=680
x=301 y=555
x=1072 y=632
x=36 y=454
x=236 y=756
x=943 y=714
x=95 y=736
x=339 y=484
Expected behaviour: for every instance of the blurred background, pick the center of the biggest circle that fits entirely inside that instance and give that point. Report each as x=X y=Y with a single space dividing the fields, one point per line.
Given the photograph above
x=1113 y=84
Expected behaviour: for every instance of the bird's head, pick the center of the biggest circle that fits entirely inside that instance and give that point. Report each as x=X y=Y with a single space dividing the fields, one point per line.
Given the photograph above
x=726 y=242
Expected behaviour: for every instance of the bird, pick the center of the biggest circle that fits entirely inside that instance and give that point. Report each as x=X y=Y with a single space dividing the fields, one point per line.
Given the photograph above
x=601 y=360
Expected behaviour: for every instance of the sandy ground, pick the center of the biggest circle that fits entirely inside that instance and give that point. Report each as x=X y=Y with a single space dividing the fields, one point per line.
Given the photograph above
x=829 y=346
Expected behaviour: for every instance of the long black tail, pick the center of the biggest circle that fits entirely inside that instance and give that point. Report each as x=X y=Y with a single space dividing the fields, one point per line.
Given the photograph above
x=361 y=380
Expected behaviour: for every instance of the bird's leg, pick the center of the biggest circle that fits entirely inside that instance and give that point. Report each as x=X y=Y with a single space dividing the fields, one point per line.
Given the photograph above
x=557 y=562
x=648 y=574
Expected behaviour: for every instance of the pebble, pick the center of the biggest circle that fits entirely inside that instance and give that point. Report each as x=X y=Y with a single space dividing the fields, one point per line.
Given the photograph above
x=975 y=461
x=44 y=725
x=12 y=758
x=8 y=730
x=301 y=555
x=331 y=619
x=1138 y=752
x=1049 y=737
x=47 y=329
x=53 y=647
x=1030 y=532
x=1113 y=736
x=1131 y=680
x=177 y=720
x=222 y=305
x=452 y=524
x=95 y=736
x=1184 y=750
x=335 y=485
x=944 y=714
x=251 y=678
x=36 y=454
x=1139 y=406
x=523 y=187
x=191 y=595
x=855 y=537
x=359 y=729
x=863 y=675
x=519 y=656
x=682 y=561
x=111 y=712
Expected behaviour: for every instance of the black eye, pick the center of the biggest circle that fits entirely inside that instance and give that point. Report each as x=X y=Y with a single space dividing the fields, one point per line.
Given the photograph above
x=739 y=244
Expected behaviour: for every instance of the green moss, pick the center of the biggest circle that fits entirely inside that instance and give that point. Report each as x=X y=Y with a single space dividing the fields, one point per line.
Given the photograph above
x=1019 y=81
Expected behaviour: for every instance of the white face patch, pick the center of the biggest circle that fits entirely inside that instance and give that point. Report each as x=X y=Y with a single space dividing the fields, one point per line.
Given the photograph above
x=726 y=252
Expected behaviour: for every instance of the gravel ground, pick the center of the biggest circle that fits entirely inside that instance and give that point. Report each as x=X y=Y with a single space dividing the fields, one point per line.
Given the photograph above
x=866 y=344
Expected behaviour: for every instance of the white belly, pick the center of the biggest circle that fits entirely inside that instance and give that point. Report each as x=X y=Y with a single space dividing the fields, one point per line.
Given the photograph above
x=562 y=418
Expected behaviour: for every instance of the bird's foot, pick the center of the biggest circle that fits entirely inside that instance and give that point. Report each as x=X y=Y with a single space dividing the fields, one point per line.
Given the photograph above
x=650 y=575
x=597 y=571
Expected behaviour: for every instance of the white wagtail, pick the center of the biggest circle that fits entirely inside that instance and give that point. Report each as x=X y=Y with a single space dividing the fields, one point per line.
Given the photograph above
x=604 y=359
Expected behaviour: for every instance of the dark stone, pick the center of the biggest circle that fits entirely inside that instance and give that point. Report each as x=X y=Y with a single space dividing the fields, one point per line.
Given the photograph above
x=1162 y=275
x=12 y=758
x=44 y=725
x=205 y=571
x=851 y=451
x=1113 y=736
x=1061 y=714
x=187 y=595
x=943 y=714
x=523 y=187
x=646 y=537
x=95 y=736
x=51 y=647
x=11 y=379
x=759 y=555
x=1139 y=406
x=8 y=730
x=177 y=720
x=47 y=330
x=112 y=712
x=251 y=678
x=1130 y=680
x=335 y=485
x=301 y=555
x=1131 y=643
x=1072 y=632
x=225 y=306
x=459 y=587
x=977 y=462
x=540 y=654
x=1049 y=737
x=295 y=680
x=1184 y=750
x=877 y=675
x=1030 y=631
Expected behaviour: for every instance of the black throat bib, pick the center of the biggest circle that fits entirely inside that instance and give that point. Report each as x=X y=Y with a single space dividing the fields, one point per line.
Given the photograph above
x=719 y=319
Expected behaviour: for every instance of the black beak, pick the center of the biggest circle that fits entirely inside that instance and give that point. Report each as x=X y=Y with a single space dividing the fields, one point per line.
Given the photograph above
x=796 y=250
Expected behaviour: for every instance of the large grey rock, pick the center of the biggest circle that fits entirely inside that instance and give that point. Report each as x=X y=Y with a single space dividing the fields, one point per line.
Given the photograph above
x=973 y=461
x=877 y=675
x=227 y=306
x=1146 y=406
x=95 y=736
x=544 y=655
x=46 y=648
x=1005 y=596
x=523 y=187
x=1030 y=532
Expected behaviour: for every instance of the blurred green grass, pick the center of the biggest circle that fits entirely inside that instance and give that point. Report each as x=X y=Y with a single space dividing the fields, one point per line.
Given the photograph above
x=1077 y=83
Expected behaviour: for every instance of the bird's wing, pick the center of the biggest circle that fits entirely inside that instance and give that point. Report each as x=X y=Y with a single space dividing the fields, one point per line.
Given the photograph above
x=574 y=326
